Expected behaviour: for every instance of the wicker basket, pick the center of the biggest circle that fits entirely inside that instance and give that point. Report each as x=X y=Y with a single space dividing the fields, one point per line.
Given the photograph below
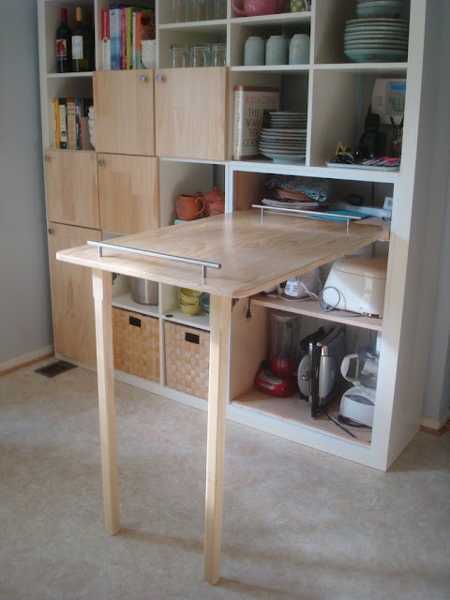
x=187 y=359
x=136 y=344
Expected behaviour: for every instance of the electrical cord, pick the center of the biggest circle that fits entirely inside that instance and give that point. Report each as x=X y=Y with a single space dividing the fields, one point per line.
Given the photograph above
x=336 y=422
x=324 y=305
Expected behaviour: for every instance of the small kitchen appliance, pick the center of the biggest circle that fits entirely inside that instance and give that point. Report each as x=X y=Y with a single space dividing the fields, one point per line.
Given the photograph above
x=358 y=403
x=284 y=341
x=356 y=284
x=267 y=382
x=303 y=286
x=277 y=376
x=318 y=374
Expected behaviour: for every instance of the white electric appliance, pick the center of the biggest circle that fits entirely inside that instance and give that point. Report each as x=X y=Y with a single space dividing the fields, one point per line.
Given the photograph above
x=358 y=403
x=356 y=284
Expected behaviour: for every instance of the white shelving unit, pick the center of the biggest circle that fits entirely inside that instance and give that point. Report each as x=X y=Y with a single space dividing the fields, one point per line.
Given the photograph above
x=335 y=94
x=126 y=302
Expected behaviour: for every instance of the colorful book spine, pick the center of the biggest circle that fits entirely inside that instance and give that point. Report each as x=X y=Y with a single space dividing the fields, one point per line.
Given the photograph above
x=129 y=23
x=138 y=40
x=123 y=39
x=133 y=40
x=56 y=123
x=78 y=117
x=71 y=124
x=114 y=24
x=63 y=123
x=106 y=40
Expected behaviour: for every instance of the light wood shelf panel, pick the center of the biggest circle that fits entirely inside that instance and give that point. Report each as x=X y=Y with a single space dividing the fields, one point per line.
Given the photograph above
x=72 y=187
x=128 y=192
x=294 y=410
x=311 y=308
x=279 y=248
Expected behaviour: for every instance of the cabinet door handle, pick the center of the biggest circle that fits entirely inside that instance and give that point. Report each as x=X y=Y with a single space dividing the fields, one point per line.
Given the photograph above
x=47 y=158
x=101 y=162
x=143 y=78
x=50 y=231
x=161 y=78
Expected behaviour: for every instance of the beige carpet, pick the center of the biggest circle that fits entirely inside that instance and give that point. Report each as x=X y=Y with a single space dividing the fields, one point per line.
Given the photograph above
x=299 y=524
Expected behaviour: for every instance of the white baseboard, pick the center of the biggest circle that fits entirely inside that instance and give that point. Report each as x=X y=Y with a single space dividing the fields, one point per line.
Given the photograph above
x=436 y=424
x=19 y=361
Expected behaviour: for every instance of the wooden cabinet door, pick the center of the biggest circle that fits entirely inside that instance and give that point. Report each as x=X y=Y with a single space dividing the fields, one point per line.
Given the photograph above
x=129 y=198
x=72 y=194
x=191 y=113
x=72 y=302
x=124 y=112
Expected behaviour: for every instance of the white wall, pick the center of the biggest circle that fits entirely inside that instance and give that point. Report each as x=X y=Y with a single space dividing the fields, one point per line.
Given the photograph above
x=24 y=289
x=437 y=396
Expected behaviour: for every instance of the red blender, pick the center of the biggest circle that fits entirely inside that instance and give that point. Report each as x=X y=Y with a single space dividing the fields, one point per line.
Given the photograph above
x=277 y=376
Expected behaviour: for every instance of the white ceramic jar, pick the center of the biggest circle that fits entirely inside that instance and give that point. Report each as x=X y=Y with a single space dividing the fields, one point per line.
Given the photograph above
x=299 y=49
x=277 y=50
x=254 y=52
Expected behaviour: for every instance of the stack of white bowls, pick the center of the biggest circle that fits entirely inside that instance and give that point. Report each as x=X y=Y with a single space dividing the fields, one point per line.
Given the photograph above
x=378 y=34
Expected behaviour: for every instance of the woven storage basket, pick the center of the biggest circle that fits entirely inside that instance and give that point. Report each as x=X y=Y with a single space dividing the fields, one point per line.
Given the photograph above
x=136 y=344
x=187 y=359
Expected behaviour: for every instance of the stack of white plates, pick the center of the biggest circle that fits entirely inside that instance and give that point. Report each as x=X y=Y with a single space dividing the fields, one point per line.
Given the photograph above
x=285 y=140
x=376 y=40
x=288 y=120
x=379 y=8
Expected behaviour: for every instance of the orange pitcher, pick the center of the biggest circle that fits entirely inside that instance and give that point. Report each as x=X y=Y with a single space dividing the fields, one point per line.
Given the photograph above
x=189 y=207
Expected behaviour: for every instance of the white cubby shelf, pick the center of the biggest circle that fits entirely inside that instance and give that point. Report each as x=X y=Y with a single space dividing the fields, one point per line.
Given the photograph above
x=126 y=302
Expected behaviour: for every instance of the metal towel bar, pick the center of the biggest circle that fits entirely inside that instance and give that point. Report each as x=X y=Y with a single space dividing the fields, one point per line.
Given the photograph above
x=204 y=264
x=305 y=213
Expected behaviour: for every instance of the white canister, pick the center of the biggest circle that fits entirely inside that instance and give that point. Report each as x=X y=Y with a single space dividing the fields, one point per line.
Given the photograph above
x=254 y=52
x=299 y=49
x=277 y=50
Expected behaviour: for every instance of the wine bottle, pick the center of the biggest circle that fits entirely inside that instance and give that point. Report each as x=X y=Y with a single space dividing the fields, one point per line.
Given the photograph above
x=82 y=44
x=63 y=44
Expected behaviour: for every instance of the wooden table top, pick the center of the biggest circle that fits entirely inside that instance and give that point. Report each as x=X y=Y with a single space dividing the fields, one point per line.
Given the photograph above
x=254 y=255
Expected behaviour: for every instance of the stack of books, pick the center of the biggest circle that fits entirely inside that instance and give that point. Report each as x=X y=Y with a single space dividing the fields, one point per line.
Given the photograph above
x=124 y=28
x=71 y=123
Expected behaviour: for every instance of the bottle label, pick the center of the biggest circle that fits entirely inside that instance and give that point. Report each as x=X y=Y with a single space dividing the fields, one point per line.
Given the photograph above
x=77 y=47
x=61 y=49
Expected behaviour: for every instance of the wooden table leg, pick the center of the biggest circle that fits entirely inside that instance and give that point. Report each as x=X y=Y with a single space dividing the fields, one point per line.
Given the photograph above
x=220 y=317
x=102 y=287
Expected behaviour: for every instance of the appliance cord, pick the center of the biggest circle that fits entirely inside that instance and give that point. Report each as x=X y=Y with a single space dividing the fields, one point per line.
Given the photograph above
x=336 y=422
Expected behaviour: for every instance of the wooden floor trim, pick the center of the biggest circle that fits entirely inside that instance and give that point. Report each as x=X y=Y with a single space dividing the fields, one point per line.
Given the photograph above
x=26 y=363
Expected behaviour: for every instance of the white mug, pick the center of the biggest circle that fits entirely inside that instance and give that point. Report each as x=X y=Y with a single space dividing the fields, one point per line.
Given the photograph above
x=299 y=49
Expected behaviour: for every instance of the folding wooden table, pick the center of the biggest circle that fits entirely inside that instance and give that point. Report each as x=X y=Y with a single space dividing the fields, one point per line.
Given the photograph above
x=230 y=257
